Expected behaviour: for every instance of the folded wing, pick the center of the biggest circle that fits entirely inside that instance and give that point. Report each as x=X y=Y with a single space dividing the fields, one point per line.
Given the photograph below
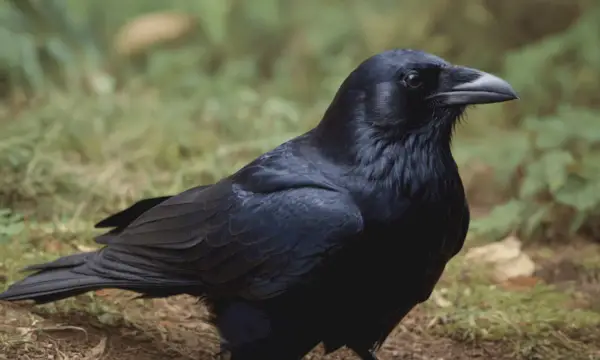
x=252 y=245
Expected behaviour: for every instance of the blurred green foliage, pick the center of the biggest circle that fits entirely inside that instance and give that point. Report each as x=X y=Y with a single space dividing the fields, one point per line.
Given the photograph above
x=10 y=224
x=91 y=121
x=555 y=172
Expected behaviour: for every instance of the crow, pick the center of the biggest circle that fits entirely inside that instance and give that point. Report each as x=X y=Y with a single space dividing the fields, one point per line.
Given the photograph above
x=332 y=237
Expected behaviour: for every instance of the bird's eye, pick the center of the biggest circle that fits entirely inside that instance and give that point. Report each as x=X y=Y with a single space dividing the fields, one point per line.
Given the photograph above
x=413 y=80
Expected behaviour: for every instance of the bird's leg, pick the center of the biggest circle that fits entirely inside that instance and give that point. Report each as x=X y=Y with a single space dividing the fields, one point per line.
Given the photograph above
x=366 y=354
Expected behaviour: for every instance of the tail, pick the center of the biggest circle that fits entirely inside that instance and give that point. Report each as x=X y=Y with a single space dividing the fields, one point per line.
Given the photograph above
x=106 y=268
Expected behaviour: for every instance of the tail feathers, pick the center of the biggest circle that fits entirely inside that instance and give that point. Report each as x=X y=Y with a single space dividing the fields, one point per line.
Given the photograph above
x=63 y=262
x=57 y=285
x=77 y=274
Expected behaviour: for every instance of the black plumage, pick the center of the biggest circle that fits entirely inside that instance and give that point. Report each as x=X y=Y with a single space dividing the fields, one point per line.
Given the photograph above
x=355 y=219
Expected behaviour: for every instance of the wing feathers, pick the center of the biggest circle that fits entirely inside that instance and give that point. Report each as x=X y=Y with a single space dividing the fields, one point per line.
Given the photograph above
x=242 y=242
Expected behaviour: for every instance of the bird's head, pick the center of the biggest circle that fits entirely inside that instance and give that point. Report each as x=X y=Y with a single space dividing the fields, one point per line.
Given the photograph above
x=407 y=93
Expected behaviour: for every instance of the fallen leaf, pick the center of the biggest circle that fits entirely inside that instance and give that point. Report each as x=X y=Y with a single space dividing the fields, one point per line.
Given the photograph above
x=520 y=283
x=440 y=300
x=505 y=257
x=520 y=266
x=97 y=351
x=150 y=29
x=500 y=251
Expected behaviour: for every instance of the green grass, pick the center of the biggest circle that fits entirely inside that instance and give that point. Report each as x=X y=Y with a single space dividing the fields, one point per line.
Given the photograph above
x=546 y=321
x=82 y=153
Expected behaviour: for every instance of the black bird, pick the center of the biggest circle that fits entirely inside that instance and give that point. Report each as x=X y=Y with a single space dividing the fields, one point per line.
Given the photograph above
x=355 y=219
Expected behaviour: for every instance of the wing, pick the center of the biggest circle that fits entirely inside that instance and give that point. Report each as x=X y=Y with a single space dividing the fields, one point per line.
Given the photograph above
x=241 y=243
x=464 y=228
x=127 y=216
x=121 y=219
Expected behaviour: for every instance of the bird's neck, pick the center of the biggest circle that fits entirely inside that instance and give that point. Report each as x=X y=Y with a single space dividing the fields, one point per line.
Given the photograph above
x=373 y=147
x=411 y=162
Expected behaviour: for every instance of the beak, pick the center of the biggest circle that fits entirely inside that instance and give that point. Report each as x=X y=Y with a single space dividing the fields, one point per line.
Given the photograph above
x=465 y=86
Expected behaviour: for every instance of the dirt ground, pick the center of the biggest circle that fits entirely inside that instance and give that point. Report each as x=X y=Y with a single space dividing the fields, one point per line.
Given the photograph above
x=111 y=325
x=79 y=336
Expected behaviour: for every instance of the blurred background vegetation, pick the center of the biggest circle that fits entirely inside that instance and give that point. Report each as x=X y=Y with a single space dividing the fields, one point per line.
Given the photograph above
x=103 y=102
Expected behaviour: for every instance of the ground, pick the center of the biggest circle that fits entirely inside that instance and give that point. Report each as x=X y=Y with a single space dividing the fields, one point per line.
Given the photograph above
x=553 y=315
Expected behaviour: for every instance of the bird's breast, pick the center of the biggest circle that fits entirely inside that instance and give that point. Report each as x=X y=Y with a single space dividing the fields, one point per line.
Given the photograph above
x=403 y=254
